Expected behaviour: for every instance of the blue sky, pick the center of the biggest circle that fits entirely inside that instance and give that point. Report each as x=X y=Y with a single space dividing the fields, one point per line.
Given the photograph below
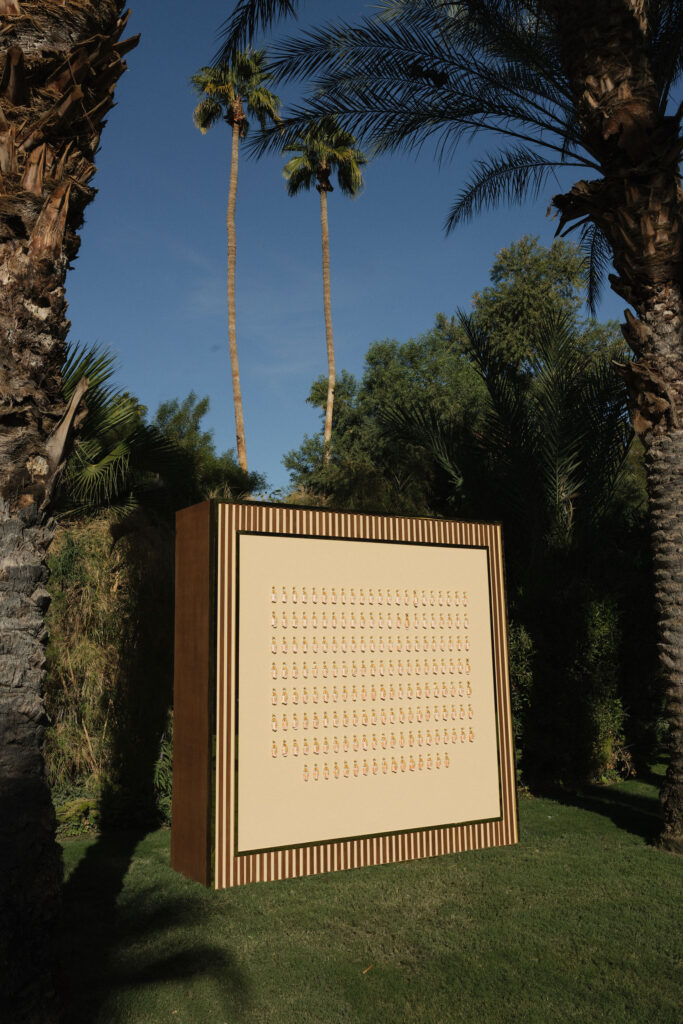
x=150 y=279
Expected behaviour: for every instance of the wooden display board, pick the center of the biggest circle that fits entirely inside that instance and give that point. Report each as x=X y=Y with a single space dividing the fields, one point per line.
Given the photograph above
x=341 y=692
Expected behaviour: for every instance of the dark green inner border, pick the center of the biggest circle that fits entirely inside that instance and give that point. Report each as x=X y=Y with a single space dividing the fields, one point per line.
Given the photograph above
x=375 y=835
x=212 y=692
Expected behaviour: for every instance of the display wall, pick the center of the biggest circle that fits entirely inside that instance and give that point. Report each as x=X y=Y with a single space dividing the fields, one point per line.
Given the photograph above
x=341 y=692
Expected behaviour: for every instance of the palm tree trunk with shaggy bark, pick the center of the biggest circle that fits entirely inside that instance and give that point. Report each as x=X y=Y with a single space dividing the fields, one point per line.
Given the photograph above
x=59 y=65
x=656 y=385
x=637 y=205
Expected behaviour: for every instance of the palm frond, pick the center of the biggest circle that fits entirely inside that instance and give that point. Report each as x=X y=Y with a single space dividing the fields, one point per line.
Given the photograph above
x=298 y=174
x=247 y=17
x=604 y=404
x=206 y=113
x=665 y=23
x=96 y=363
x=598 y=257
x=244 y=78
x=420 y=424
x=556 y=435
x=116 y=452
x=349 y=173
x=92 y=482
x=263 y=104
x=426 y=72
x=507 y=434
x=509 y=176
x=556 y=373
x=109 y=410
x=323 y=147
x=217 y=83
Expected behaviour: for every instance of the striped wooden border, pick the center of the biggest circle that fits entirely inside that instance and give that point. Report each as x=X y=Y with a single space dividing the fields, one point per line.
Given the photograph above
x=231 y=870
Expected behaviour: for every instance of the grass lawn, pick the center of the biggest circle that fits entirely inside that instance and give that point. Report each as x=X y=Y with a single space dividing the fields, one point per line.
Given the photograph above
x=579 y=923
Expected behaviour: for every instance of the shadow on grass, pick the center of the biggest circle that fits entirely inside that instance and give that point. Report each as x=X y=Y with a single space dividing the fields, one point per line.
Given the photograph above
x=109 y=943
x=654 y=775
x=636 y=813
x=107 y=948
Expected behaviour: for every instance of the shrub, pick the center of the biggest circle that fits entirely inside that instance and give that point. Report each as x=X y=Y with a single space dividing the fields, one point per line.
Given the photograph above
x=163 y=772
x=109 y=679
x=597 y=672
x=521 y=656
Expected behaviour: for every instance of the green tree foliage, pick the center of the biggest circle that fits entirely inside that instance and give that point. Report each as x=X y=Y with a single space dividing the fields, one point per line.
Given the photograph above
x=370 y=470
x=204 y=473
x=555 y=436
x=553 y=449
x=548 y=457
x=529 y=283
x=435 y=374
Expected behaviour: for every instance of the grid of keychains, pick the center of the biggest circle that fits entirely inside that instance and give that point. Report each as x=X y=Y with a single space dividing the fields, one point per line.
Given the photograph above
x=332 y=689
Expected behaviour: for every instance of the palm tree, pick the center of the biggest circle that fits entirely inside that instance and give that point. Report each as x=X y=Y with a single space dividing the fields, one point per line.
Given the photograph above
x=583 y=85
x=324 y=147
x=225 y=90
x=59 y=65
x=121 y=464
x=119 y=461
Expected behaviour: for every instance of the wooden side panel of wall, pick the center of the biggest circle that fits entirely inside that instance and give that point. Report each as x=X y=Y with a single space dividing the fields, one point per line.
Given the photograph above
x=193 y=693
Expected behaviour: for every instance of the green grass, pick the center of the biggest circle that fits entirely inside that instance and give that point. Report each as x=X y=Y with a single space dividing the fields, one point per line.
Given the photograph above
x=579 y=923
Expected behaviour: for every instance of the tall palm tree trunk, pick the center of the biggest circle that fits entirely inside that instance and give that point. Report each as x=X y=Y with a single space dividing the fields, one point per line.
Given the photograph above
x=323 y=189
x=662 y=320
x=59 y=64
x=232 y=329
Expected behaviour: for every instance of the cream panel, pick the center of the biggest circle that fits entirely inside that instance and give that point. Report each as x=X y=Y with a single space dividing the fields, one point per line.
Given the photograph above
x=287 y=797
